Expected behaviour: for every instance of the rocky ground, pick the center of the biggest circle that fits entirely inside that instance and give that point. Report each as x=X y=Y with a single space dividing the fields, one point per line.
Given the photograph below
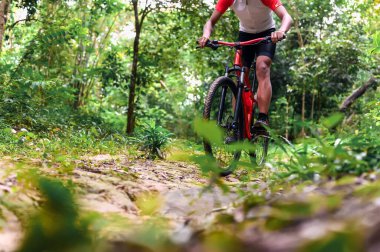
x=253 y=215
x=115 y=185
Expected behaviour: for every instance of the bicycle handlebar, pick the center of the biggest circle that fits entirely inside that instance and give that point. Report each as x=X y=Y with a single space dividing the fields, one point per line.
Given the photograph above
x=215 y=44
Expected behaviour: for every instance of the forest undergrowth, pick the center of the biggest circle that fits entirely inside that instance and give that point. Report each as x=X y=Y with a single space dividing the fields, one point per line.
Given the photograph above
x=89 y=190
x=101 y=149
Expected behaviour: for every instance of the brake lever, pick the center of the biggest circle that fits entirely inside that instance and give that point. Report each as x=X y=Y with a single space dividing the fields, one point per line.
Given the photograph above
x=209 y=44
x=268 y=39
x=212 y=44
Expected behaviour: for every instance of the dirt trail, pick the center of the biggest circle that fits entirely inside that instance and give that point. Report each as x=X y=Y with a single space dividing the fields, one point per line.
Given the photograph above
x=181 y=189
x=118 y=186
x=113 y=184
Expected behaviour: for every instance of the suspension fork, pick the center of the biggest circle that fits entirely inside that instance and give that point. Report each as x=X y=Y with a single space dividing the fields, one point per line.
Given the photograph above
x=238 y=105
x=222 y=101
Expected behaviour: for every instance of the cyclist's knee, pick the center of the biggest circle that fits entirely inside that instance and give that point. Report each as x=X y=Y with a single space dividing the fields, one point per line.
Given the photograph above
x=263 y=69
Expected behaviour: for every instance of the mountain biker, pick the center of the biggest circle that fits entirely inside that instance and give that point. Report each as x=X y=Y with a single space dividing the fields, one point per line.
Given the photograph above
x=256 y=21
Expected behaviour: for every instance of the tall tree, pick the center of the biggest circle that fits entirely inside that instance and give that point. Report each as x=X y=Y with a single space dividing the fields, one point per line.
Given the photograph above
x=139 y=17
x=97 y=23
x=4 y=9
x=140 y=12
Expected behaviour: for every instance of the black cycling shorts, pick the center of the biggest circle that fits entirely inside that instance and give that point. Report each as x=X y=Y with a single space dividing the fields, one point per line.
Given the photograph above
x=250 y=52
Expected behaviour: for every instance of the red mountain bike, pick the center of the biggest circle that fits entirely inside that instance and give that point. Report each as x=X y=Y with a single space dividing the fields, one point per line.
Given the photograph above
x=231 y=103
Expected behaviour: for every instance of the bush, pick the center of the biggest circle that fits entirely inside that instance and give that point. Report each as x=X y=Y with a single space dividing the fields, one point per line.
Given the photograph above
x=347 y=151
x=152 y=138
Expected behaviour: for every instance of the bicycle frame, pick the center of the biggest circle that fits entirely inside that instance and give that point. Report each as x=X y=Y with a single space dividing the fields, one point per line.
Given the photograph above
x=243 y=104
x=245 y=89
x=245 y=95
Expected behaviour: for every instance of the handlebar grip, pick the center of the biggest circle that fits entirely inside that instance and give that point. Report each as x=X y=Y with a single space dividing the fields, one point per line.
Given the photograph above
x=212 y=44
x=268 y=39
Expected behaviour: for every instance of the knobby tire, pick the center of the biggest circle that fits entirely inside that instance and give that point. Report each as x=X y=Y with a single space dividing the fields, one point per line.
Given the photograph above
x=212 y=105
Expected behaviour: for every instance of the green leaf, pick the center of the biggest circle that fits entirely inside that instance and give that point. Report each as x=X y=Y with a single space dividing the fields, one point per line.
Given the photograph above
x=209 y=131
x=333 y=121
x=376 y=43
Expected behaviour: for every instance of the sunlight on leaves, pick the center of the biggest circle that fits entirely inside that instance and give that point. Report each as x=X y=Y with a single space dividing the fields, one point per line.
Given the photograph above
x=209 y=131
x=333 y=120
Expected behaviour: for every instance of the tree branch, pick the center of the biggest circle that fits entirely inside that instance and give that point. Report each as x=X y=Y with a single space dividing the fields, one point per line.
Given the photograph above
x=10 y=27
x=358 y=93
x=145 y=13
x=136 y=14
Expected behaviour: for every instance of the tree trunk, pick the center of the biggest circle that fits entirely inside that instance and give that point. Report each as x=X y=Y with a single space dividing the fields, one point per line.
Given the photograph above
x=287 y=119
x=312 y=105
x=78 y=84
x=132 y=87
x=296 y=24
x=100 y=50
x=319 y=102
x=303 y=112
x=301 y=45
x=4 y=7
x=78 y=66
x=357 y=93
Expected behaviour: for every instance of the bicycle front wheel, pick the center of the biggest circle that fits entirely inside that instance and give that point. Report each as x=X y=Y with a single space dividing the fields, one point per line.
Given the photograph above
x=219 y=107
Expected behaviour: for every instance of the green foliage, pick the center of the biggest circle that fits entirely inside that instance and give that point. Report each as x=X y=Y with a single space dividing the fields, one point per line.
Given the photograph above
x=77 y=58
x=152 y=138
x=349 y=240
x=333 y=121
x=336 y=155
x=58 y=226
x=64 y=76
x=209 y=131
x=212 y=165
x=376 y=43
x=326 y=154
x=113 y=72
x=29 y=5
x=62 y=145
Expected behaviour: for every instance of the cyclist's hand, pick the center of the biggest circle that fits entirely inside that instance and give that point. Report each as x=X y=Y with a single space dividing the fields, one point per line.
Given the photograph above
x=202 y=41
x=277 y=36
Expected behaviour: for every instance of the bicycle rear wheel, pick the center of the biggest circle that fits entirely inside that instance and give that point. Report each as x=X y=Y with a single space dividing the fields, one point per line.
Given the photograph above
x=219 y=107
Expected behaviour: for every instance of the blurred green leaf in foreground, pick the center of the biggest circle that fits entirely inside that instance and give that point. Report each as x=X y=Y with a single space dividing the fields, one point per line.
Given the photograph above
x=57 y=226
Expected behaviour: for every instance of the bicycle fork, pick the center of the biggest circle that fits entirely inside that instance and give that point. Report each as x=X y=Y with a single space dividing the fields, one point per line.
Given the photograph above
x=238 y=102
x=244 y=104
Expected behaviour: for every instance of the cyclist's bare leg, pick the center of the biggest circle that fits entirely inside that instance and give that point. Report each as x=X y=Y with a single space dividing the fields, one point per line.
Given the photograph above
x=264 y=91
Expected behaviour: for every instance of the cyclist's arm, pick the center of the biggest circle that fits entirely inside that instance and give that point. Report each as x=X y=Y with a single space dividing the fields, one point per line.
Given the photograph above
x=286 y=23
x=209 y=27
